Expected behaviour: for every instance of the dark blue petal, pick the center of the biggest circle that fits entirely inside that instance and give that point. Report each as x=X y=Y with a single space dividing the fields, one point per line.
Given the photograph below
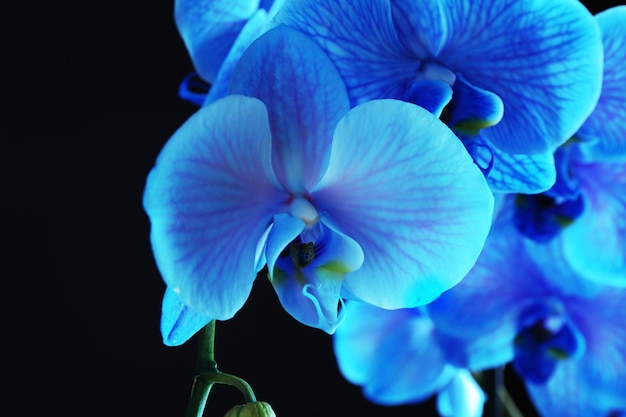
x=512 y=173
x=305 y=98
x=209 y=28
x=543 y=59
x=472 y=109
x=607 y=123
x=360 y=39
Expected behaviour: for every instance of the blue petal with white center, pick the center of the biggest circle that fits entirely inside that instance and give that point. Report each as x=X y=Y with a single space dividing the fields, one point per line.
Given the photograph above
x=403 y=186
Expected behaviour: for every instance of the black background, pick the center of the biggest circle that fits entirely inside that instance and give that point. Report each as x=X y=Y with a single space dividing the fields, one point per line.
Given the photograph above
x=90 y=97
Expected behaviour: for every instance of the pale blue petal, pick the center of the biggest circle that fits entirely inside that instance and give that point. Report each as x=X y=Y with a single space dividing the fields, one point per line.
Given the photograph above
x=311 y=293
x=462 y=397
x=305 y=98
x=542 y=58
x=210 y=197
x=595 y=244
x=178 y=321
x=607 y=123
x=360 y=39
x=404 y=187
x=513 y=173
x=209 y=28
x=392 y=354
x=253 y=28
x=356 y=342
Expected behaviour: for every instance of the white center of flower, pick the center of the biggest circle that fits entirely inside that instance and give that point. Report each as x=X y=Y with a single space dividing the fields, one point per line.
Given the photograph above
x=301 y=208
x=434 y=71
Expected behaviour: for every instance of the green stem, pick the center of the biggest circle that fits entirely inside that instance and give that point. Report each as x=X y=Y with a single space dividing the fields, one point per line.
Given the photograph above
x=205 y=364
x=208 y=374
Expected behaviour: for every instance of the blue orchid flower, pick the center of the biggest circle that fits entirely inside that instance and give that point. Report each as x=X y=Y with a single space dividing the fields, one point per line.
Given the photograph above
x=584 y=210
x=379 y=203
x=216 y=33
x=513 y=79
x=398 y=357
x=565 y=335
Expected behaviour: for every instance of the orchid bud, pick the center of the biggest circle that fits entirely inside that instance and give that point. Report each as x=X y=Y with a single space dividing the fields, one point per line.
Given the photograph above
x=253 y=409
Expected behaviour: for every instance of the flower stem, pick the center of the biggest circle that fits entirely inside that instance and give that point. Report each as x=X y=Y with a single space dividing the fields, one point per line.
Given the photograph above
x=208 y=374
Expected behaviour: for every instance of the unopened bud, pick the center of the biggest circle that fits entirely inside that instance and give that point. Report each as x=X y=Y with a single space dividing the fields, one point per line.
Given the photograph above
x=255 y=409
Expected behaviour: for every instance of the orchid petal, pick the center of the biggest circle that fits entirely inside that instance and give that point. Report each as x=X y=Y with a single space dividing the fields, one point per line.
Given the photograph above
x=513 y=173
x=473 y=109
x=393 y=354
x=403 y=186
x=607 y=123
x=594 y=384
x=210 y=198
x=542 y=58
x=433 y=95
x=311 y=293
x=462 y=397
x=360 y=39
x=502 y=291
x=209 y=28
x=178 y=321
x=305 y=98
x=595 y=244
x=254 y=27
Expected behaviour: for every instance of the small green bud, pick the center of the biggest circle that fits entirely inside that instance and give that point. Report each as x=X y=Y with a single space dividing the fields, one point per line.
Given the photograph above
x=255 y=409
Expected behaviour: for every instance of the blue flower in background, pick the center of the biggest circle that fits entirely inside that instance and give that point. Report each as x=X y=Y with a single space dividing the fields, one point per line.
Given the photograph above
x=216 y=33
x=513 y=79
x=380 y=203
x=566 y=336
x=585 y=209
x=398 y=357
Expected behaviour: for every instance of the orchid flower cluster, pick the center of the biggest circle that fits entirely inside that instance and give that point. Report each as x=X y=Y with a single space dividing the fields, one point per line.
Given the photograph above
x=439 y=184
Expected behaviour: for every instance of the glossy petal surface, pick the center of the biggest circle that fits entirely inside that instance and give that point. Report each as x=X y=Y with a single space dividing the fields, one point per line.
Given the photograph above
x=305 y=98
x=543 y=58
x=607 y=123
x=402 y=185
x=210 y=198
x=209 y=28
